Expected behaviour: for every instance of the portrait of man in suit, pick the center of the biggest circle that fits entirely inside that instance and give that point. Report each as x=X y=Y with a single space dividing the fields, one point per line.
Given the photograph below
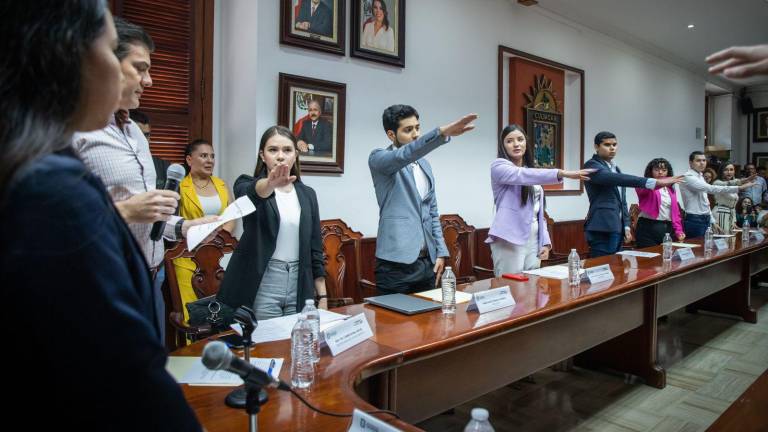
x=315 y=133
x=315 y=17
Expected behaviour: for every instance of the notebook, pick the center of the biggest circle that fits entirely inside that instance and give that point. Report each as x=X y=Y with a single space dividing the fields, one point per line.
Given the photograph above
x=403 y=303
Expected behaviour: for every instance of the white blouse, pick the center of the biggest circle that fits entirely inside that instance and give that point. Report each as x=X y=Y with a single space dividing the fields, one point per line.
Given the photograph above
x=383 y=40
x=287 y=248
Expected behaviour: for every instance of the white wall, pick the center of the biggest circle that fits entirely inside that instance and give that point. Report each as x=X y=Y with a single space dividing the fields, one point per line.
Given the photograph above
x=451 y=69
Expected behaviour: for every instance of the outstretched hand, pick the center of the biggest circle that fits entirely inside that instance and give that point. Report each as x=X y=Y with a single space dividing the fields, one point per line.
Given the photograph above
x=669 y=181
x=459 y=127
x=280 y=176
x=582 y=174
x=740 y=62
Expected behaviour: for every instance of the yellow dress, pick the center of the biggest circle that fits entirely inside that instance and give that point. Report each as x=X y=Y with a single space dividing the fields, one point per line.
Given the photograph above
x=190 y=208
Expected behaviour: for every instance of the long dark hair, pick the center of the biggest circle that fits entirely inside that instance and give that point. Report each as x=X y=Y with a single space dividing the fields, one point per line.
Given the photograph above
x=722 y=170
x=43 y=44
x=526 y=192
x=658 y=163
x=383 y=9
x=261 y=167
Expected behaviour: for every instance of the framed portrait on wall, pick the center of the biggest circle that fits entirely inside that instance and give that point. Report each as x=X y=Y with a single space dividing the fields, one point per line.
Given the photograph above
x=760 y=121
x=315 y=111
x=313 y=24
x=378 y=31
x=760 y=159
x=547 y=98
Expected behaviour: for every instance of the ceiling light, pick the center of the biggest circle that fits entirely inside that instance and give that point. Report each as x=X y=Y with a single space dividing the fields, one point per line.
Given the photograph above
x=690 y=26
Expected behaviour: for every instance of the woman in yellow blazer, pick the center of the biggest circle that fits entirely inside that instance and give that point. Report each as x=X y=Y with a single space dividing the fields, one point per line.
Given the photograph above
x=202 y=194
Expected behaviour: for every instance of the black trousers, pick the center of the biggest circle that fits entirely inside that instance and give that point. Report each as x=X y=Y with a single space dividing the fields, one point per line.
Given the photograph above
x=651 y=232
x=393 y=277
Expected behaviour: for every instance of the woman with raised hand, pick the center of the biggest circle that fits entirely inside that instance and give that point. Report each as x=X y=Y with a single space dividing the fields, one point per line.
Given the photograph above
x=279 y=262
x=518 y=235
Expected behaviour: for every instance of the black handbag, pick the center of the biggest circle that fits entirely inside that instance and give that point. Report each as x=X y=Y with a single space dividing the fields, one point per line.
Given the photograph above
x=208 y=310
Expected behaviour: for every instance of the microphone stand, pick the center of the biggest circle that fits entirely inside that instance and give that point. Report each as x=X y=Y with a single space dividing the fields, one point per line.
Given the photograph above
x=255 y=397
x=237 y=398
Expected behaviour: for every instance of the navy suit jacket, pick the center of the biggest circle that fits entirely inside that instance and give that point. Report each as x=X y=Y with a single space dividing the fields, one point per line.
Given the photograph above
x=321 y=22
x=78 y=290
x=320 y=138
x=607 y=197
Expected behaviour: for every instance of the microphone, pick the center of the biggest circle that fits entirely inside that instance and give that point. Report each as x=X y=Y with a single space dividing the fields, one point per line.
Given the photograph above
x=216 y=356
x=173 y=176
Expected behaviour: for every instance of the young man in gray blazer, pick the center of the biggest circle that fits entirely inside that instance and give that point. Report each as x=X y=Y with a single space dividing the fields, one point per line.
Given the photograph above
x=410 y=250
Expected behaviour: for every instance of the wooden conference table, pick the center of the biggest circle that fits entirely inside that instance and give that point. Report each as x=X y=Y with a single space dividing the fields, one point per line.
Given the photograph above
x=422 y=365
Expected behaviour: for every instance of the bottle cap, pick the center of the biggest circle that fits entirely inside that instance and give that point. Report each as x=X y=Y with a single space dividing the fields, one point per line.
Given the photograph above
x=309 y=302
x=480 y=414
x=448 y=268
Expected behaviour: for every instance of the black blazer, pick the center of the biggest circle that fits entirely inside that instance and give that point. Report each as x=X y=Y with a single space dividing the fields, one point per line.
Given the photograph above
x=249 y=261
x=607 y=206
x=76 y=284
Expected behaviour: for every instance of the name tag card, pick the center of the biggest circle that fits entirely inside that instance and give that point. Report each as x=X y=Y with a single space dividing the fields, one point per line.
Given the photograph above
x=685 y=254
x=486 y=301
x=758 y=235
x=364 y=422
x=721 y=244
x=349 y=333
x=599 y=274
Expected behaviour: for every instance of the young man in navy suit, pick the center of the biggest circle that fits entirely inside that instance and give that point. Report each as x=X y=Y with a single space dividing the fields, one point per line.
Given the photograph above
x=607 y=221
x=410 y=250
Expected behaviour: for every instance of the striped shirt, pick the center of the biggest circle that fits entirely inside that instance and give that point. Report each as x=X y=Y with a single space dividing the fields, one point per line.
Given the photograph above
x=120 y=157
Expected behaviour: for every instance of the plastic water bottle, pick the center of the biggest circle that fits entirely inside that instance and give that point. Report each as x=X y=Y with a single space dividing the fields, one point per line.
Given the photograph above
x=667 y=247
x=479 y=422
x=745 y=232
x=313 y=316
x=574 y=265
x=709 y=240
x=302 y=366
x=449 y=291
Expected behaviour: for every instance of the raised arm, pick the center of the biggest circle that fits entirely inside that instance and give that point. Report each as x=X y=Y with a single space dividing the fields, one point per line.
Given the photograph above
x=391 y=161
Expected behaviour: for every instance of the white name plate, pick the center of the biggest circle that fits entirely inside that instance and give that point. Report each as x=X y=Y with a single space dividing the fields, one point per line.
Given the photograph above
x=599 y=274
x=364 y=422
x=685 y=254
x=486 y=301
x=347 y=334
x=721 y=244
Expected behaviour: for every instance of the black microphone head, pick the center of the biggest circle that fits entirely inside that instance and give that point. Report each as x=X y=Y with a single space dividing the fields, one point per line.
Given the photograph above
x=216 y=356
x=175 y=172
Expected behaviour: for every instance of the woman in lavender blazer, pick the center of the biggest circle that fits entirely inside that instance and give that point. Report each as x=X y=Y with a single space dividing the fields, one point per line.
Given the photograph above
x=516 y=241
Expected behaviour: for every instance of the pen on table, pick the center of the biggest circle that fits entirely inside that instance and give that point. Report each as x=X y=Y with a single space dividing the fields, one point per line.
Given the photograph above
x=271 y=366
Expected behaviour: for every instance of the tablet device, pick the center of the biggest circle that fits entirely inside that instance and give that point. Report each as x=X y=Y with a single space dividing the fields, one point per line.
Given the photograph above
x=404 y=303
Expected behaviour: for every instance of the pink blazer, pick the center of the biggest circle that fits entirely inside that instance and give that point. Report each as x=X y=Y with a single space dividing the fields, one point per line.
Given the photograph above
x=650 y=201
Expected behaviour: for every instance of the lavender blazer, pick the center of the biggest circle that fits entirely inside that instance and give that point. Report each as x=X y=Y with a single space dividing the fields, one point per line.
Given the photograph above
x=512 y=221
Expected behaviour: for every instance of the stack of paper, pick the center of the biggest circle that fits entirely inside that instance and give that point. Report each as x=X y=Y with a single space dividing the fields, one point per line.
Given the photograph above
x=190 y=370
x=437 y=295
x=280 y=328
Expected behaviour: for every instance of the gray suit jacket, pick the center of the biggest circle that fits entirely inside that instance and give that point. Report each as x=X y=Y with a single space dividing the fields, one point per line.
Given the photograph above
x=405 y=220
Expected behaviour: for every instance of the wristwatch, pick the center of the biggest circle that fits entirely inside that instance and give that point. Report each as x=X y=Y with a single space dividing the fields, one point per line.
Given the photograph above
x=178 y=229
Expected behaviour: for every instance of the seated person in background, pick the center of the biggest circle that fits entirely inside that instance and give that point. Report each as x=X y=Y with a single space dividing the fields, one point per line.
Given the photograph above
x=758 y=189
x=79 y=283
x=659 y=209
x=747 y=211
x=202 y=194
x=161 y=165
x=316 y=133
x=410 y=250
x=518 y=235
x=279 y=262
x=608 y=218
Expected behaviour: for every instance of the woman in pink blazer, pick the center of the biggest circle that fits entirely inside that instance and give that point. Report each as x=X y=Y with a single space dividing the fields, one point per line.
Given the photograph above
x=659 y=209
x=516 y=241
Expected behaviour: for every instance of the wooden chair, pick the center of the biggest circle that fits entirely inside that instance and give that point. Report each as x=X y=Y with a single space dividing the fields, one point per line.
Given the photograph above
x=343 y=278
x=634 y=215
x=206 y=280
x=459 y=238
